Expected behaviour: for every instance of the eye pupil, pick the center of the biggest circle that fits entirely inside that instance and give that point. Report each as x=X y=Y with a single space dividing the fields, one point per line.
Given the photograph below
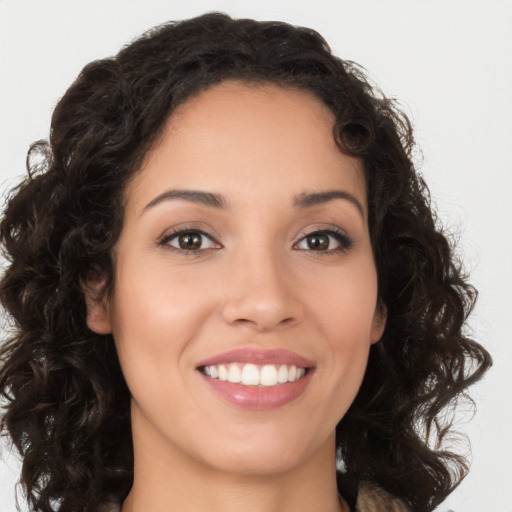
x=318 y=242
x=190 y=241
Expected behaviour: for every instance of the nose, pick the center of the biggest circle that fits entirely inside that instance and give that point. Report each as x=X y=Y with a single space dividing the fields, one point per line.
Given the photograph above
x=261 y=293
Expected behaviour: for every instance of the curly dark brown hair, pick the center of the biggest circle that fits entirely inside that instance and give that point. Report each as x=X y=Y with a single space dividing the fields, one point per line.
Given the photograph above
x=67 y=404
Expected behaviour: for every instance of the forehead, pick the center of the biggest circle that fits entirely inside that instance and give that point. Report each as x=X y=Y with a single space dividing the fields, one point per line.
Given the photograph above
x=248 y=108
x=238 y=136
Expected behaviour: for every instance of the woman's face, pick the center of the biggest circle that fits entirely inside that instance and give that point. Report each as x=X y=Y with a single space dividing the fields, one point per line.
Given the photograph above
x=245 y=254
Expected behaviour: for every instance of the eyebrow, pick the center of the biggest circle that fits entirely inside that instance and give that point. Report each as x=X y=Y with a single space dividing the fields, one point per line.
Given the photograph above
x=304 y=200
x=193 y=196
x=307 y=200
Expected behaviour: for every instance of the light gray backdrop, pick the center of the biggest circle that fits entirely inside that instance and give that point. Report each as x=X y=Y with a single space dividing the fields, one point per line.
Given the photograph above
x=449 y=61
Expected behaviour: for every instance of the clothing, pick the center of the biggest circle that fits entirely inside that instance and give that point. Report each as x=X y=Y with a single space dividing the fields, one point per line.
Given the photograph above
x=369 y=499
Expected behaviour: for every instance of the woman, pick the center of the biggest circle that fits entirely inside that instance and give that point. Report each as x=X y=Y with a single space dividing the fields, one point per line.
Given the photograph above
x=228 y=289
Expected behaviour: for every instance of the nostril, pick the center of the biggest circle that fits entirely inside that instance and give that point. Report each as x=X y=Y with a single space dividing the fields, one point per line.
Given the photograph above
x=263 y=309
x=263 y=324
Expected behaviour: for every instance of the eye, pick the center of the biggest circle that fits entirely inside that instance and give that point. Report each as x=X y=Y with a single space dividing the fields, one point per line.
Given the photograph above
x=329 y=240
x=189 y=241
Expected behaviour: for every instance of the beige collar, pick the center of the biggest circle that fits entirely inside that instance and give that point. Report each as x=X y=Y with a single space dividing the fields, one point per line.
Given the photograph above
x=370 y=499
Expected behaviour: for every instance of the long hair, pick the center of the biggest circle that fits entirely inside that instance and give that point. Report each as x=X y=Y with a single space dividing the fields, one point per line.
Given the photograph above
x=67 y=405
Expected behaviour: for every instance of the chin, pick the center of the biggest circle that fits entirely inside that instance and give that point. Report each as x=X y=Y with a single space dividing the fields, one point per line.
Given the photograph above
x=262 y=463
x=268 y=453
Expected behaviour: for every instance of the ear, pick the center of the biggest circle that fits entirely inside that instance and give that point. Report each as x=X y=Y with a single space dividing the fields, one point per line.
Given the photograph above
x=378 y=323
x=98 y=311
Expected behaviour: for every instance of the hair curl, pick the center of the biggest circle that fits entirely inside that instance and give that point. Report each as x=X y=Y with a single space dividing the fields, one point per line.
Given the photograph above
x=67 y=405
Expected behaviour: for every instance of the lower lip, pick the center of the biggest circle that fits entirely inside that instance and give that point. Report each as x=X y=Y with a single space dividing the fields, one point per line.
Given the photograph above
x=259 y=397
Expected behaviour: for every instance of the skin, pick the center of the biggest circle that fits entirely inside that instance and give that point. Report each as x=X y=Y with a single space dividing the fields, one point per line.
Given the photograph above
x=255 y=284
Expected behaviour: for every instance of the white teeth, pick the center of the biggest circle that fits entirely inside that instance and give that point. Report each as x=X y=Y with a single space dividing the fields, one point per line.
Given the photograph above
x=234 y=374
x=223 y=373
x=282 y=374
x=252 y=375
x=268 y=375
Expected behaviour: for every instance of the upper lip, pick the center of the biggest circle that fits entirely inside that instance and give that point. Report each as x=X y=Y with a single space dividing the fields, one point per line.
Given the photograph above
x=259 y=357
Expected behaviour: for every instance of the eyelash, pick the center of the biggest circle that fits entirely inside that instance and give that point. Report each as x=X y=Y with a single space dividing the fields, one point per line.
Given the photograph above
x=345 y=242
x=340 y=236
x=164 y=242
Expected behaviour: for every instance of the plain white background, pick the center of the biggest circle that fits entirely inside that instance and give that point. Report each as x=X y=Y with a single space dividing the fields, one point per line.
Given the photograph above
x=448 y=61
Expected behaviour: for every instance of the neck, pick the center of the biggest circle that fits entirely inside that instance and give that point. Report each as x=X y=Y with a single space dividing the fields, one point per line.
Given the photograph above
x=166 y=479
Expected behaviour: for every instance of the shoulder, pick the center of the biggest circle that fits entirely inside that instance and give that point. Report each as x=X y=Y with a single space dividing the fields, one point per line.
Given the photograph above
x=372 y=498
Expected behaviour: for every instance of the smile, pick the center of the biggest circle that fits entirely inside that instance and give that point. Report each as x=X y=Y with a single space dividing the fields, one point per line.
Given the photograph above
x=252 y=378
x=255 y=375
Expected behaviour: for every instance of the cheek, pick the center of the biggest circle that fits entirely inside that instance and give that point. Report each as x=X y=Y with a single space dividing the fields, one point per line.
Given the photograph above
x=345 y=303
x=153 y=317
x=154 y=297
x=344 y=308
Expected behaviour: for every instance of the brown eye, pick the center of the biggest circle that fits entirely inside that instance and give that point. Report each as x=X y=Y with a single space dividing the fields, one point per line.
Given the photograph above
x=329 y=241
x=190 y=241
x=318 y=242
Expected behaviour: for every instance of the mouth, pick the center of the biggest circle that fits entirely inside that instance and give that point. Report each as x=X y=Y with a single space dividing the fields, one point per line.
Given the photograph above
x=249 y=374
x=257 y=379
